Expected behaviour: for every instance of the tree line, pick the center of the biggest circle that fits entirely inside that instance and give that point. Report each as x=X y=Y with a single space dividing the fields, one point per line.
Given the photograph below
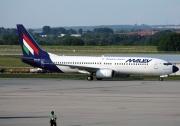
x=164 y=40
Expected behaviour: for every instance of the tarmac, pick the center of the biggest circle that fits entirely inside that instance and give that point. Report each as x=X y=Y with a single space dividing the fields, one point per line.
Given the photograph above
x=29 y=102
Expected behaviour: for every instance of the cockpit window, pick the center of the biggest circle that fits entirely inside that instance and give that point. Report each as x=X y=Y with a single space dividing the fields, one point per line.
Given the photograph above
x=167 y=64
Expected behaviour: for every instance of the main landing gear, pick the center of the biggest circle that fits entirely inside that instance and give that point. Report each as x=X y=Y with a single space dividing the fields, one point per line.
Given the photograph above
x=161 y=79
x=99 y=78
x=89 y=78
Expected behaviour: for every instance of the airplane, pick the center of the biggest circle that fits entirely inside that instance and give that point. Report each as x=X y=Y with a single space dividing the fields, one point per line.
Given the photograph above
x=100 y=66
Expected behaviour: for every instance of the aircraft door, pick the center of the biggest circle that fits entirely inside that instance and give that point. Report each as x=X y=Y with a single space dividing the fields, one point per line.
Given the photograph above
x=102 y=61
x=156 y=65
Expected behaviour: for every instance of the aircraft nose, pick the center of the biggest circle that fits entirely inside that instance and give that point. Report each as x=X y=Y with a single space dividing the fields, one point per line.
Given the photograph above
x=175 y=69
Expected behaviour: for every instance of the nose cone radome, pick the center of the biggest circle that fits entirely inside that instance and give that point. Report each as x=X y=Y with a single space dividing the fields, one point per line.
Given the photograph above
x=175 y=69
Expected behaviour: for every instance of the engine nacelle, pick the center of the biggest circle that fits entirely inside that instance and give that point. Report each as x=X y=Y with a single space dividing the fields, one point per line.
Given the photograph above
x=105 y=73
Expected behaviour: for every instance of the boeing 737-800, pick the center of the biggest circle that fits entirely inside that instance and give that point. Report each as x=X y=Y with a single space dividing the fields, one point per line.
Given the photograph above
x=101 y=67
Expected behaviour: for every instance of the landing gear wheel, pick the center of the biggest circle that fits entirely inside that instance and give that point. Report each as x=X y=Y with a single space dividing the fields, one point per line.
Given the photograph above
x=89 y=78
x=99 y=78
x=160 y=79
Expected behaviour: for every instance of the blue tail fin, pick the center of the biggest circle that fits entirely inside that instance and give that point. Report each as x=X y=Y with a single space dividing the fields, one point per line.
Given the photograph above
x=30 y=48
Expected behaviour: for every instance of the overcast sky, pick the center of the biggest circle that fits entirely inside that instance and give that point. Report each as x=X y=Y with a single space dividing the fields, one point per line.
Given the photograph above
x=56 y=13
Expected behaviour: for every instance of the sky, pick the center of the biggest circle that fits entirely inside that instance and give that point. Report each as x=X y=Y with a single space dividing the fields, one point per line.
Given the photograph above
x=59 y=13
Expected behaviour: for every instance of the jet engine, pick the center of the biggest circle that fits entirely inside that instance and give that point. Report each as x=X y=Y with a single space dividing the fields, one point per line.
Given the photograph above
x=104 y=73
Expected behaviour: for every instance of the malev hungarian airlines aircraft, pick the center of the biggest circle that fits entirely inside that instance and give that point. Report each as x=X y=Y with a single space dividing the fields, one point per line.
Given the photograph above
x=101 y=67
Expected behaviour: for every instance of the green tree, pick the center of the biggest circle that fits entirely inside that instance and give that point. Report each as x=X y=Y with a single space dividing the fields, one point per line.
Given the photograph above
x=72 y=41
x=10 y=39
x=155 y=39
x=80 y=31
x=71 y=31
x=61 y=30
x=46 y=30
x=1 y=42
x=91 y=43
x=103 y=30
x=170 y=42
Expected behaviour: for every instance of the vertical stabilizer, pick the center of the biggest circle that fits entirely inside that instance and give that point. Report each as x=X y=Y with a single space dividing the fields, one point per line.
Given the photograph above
x=29 y=46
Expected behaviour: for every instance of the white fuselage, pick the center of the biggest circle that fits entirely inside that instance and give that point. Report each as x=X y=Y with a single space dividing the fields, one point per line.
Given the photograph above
x=120 y=65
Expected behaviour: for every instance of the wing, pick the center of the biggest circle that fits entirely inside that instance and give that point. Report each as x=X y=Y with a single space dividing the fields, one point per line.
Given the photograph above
x=85 y=68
